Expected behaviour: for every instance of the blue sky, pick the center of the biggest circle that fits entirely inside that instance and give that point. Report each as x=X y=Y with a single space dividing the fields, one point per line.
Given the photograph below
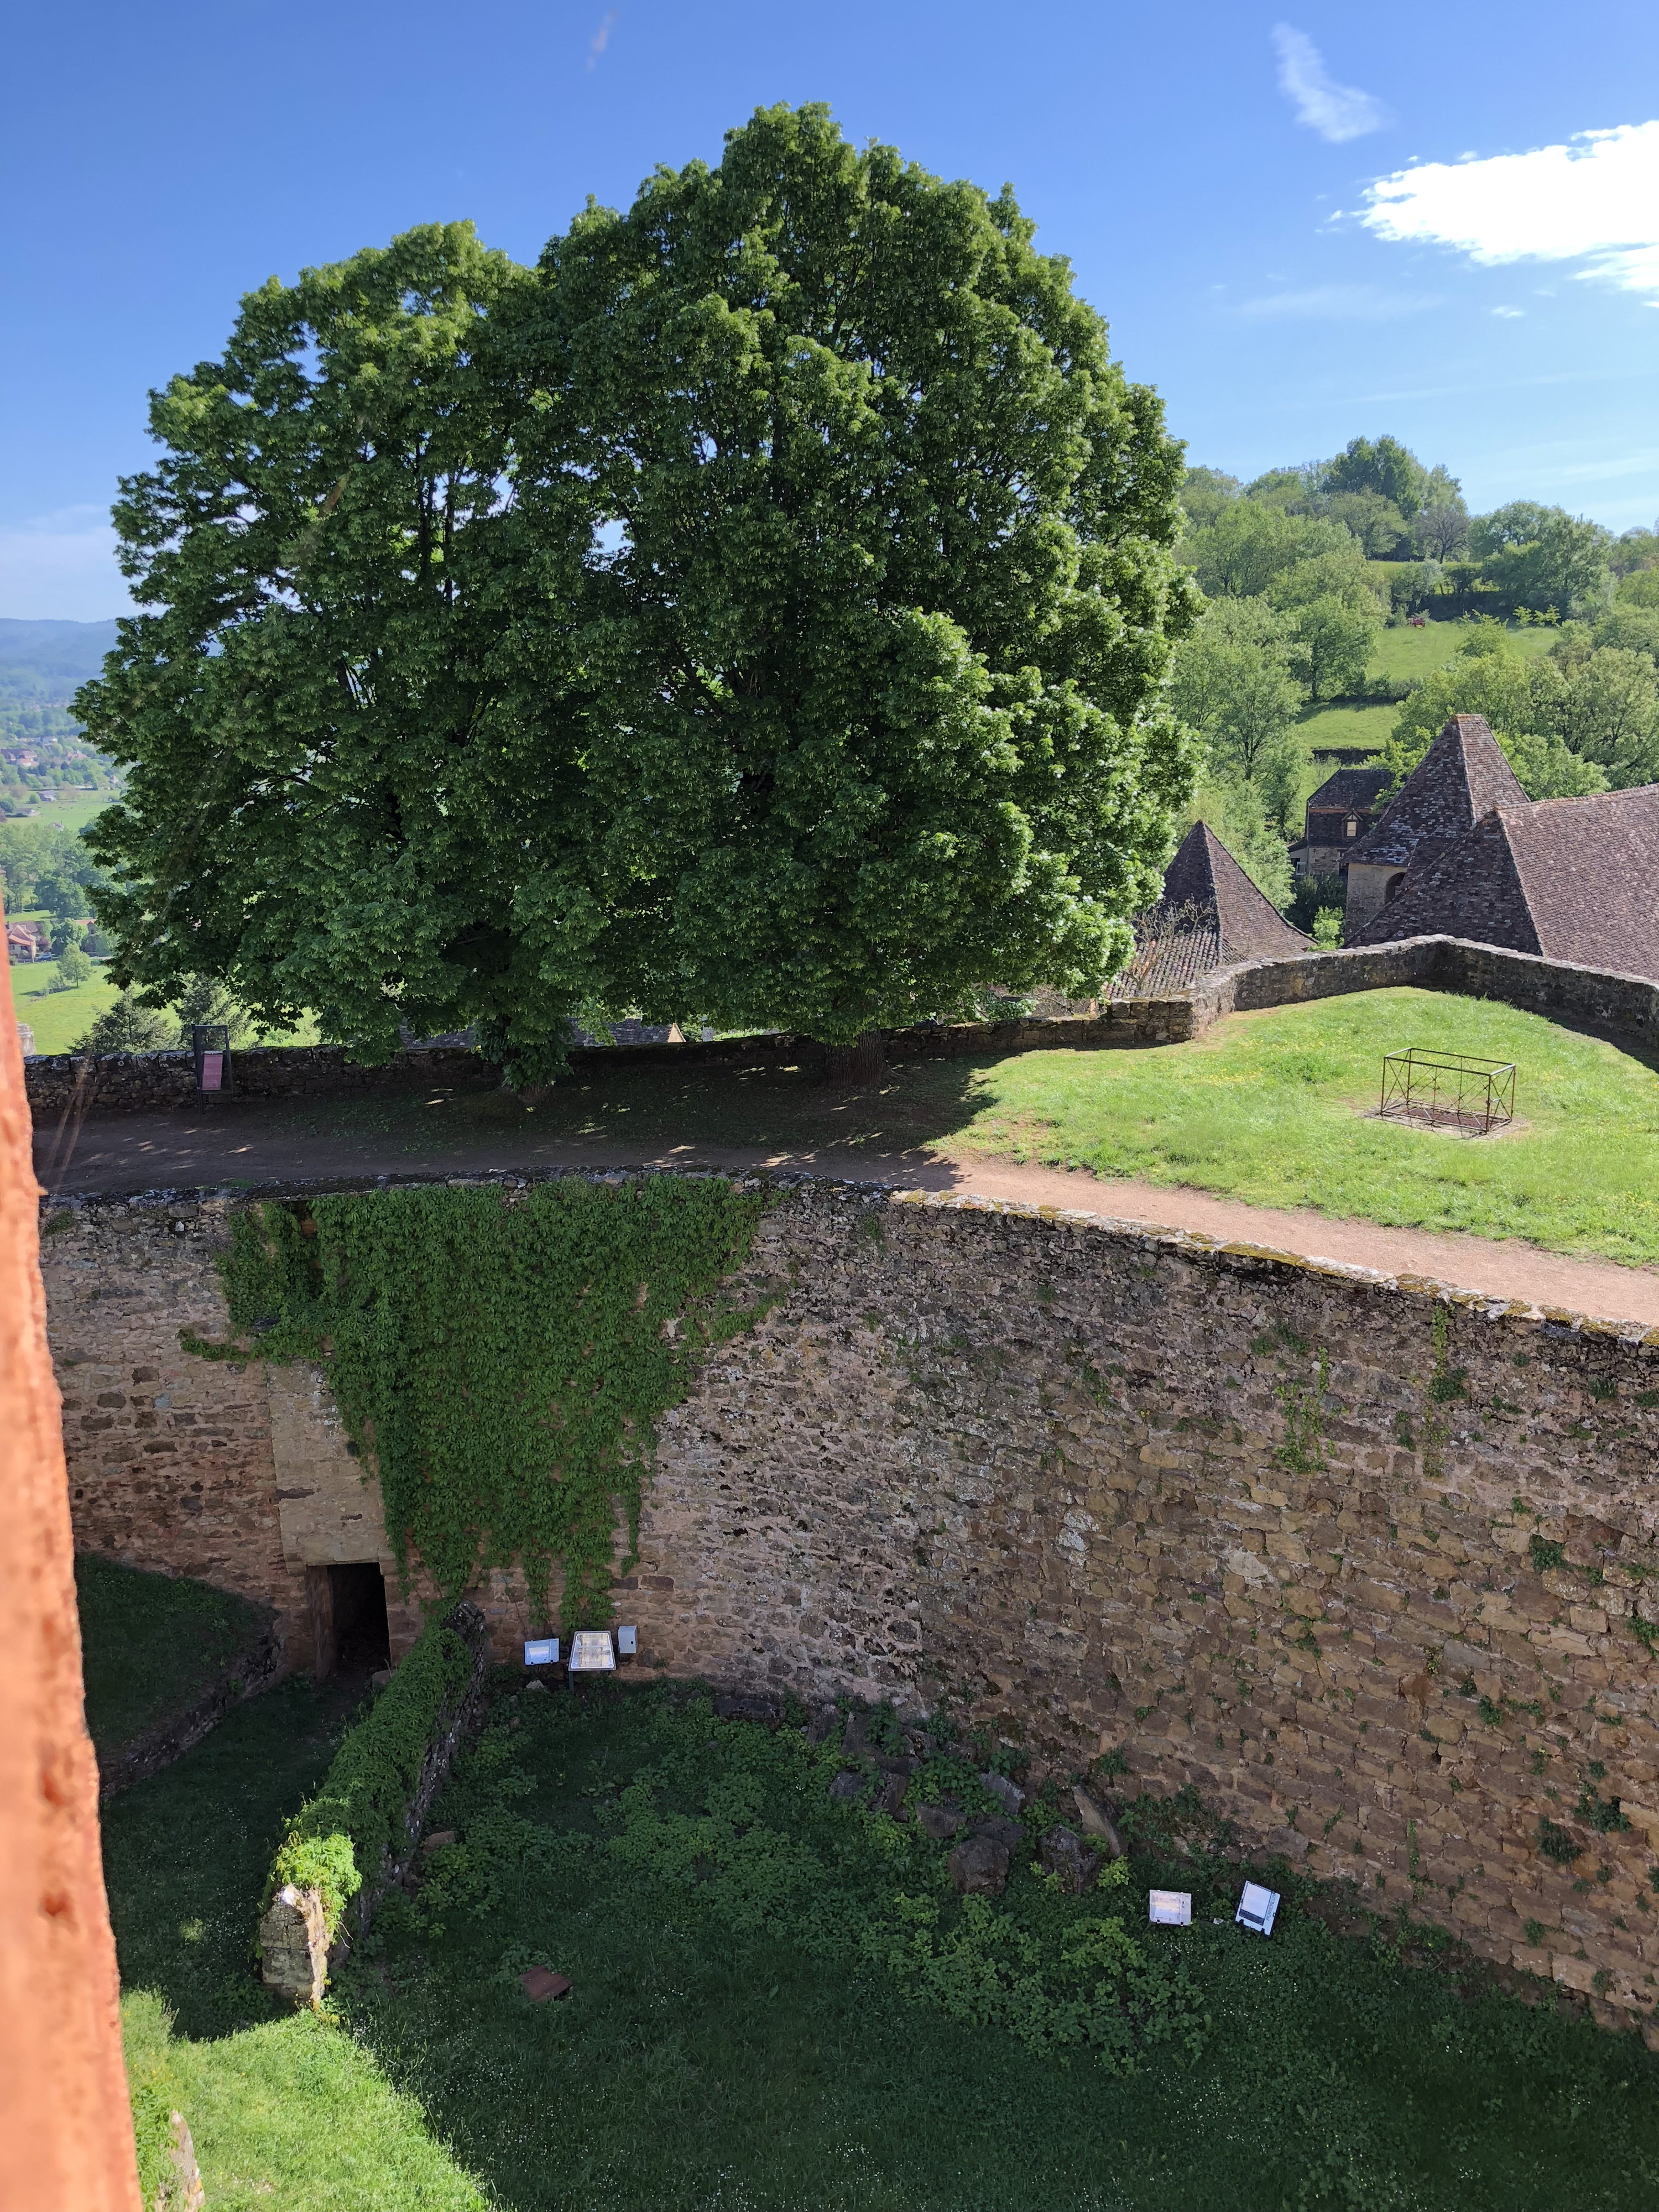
x=1211 y=170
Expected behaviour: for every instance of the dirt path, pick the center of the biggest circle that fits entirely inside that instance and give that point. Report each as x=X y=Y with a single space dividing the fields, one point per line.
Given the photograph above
x=134 y=1152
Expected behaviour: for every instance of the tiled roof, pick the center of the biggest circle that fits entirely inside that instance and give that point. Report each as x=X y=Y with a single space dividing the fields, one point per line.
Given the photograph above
x=1460 y=778
x=1350 y=791
x=1574 y=879
x=1204 y=875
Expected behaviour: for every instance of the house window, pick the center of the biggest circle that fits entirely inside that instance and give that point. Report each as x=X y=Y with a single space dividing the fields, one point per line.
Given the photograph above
x=1351 y=827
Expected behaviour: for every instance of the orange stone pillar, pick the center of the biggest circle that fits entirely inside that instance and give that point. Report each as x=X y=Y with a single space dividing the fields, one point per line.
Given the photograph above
x=66 y=2124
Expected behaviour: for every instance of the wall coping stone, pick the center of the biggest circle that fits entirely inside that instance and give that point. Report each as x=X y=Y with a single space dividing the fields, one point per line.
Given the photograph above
x=1192 y=1243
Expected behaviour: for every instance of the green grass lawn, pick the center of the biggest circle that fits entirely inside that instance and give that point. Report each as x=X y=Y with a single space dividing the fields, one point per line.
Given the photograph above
x=778 y=2002
x=759 y=2019
x=1276 y=1108
x=289 y=2112
x=1268 y=1107
x=150 y=1644
x=59 y=1019
x=1406 y=654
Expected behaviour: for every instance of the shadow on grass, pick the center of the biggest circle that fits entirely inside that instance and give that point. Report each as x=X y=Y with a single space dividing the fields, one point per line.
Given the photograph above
x=187 y=1853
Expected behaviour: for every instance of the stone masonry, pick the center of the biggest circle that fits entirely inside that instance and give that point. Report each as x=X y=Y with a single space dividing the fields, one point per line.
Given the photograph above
x=1368 y=1563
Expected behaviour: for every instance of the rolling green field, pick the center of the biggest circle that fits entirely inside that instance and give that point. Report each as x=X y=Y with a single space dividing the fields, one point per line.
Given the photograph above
x=778 y=2004
x=1406 y=655
x=59 y=1019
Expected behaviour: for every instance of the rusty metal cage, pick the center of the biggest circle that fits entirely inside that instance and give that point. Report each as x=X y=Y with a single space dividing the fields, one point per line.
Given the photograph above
x=1448 y=1090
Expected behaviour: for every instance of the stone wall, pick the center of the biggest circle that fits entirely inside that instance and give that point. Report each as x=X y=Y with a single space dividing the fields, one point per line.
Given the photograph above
x=1361 y=1560
x=60 y=1085
x=1623 y=1006
x=233 y=1472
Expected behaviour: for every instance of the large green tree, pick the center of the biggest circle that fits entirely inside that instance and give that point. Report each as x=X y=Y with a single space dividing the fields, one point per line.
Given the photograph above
x=759 y=611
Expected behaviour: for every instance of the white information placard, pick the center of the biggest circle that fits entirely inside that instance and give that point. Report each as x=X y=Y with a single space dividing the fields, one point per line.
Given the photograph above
x=1169 y=1908
x=541 y=1651
x=1256 y=1908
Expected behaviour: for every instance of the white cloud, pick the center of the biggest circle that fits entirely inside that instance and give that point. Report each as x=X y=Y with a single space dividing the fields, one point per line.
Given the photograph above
x=62 y=568
x=1336 y=111
x=1510 y=314
x=601 y=40
x=1338 y=303
x=1596 y=199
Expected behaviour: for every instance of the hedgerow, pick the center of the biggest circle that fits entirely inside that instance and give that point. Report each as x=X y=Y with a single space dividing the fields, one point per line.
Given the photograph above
x=502 y=1356
x=340 y=1837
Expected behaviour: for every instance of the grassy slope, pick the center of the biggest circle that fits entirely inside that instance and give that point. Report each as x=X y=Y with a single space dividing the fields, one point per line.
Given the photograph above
x=698 y=2064
x=1406 y=654
x=59 y=1019
x=151 y=1643
x=289 y=2115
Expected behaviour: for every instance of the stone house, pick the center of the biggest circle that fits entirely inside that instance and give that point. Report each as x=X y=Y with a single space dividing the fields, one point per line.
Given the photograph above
x=1344 y=809
x=1573 y=880
x=1209 y=916
x=1459 y=781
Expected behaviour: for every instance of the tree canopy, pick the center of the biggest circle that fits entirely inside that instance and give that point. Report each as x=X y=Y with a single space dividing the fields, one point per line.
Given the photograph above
x=756 y=613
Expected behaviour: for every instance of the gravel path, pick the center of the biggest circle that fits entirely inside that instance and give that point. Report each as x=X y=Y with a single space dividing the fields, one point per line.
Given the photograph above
x=134 y=1152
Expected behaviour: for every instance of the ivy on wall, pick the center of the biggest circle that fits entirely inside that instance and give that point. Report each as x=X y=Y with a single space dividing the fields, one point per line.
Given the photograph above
x=502 y=1356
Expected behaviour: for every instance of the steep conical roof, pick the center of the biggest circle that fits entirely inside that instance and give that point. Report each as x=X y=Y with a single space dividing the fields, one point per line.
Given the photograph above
x=1205 y=874
x=1460 y=779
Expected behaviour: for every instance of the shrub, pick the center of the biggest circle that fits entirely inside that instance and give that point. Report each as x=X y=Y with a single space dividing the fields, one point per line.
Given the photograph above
x=338 y=1839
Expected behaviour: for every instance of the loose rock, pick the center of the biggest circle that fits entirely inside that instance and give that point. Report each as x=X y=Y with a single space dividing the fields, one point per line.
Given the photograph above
x=939 y=1821
x=979 y=1866
x=1064 y=1853
x=849 y=1787
x=1095 y=1820
x=1007 y=1793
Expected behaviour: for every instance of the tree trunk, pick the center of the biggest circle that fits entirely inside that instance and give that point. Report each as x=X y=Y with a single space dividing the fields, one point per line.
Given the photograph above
x=865 y=1061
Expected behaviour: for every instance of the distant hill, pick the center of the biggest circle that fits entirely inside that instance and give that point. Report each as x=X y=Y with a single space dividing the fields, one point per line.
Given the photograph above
x=44 y=758
x=49 y=660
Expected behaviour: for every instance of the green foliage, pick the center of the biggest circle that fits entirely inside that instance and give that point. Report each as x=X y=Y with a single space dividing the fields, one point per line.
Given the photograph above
x=1387 y=470
x=1303 y=1404
x=1557 y=1843
x=1250 y=543
x=1546 y=1556
x=1604 y=1814
x=1232 y=681
x=809 y=674
x=129 y=1026
x=340 y=1837
x=1541 y=556
x=696 y=2064
x=504 y=1356
x=73 y=969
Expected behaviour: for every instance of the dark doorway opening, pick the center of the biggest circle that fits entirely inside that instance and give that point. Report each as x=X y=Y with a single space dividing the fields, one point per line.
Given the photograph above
x=353 y=1637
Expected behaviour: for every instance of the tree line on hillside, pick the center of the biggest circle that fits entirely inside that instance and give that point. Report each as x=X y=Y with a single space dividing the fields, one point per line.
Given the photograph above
x=1302 y=568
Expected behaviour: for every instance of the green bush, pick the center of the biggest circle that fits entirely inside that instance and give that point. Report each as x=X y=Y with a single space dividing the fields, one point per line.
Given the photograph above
x=338 y=1840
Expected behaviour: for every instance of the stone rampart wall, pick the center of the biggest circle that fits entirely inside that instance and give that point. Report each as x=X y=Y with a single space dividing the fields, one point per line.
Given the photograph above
x=61 y=1084
x=1368 y=1563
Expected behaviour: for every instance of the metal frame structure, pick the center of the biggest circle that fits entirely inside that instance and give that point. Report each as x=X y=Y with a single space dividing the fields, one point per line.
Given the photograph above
x=1448 y=1090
